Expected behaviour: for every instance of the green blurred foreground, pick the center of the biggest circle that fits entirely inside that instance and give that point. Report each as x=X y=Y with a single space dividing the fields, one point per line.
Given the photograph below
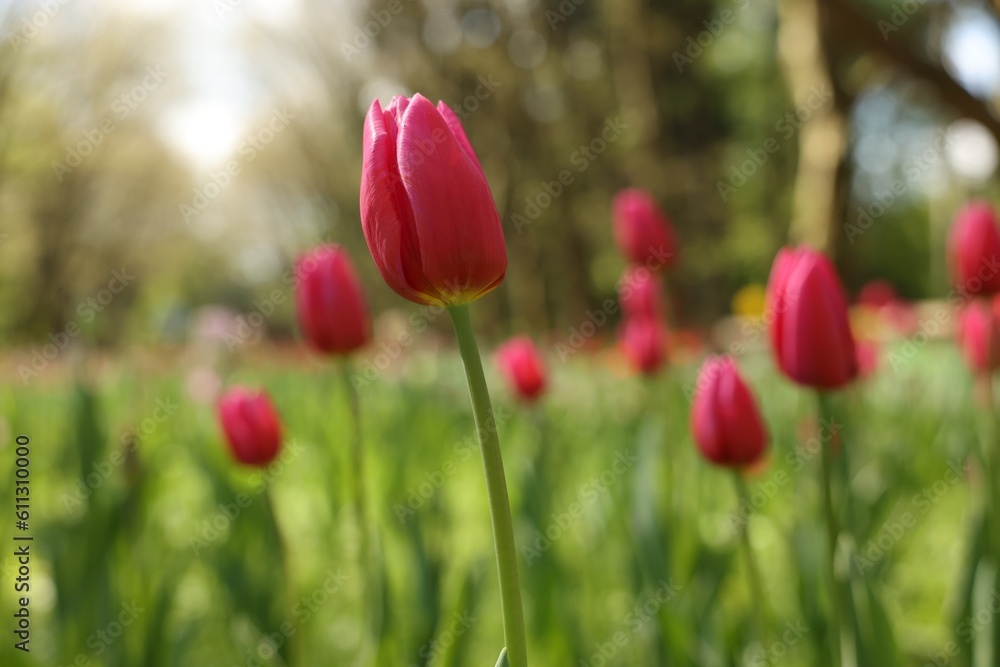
x=152 y=548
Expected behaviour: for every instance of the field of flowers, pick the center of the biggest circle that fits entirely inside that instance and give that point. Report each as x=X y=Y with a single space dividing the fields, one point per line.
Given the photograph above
x=152 y=547
x=360 y=409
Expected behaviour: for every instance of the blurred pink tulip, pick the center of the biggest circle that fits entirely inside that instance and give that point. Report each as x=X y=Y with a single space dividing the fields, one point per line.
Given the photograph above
x=725 y=421
x=642 y=231
x=810 y=334
x=251 y=426
x=974 y=249
x=331 y=306
x=521 y=364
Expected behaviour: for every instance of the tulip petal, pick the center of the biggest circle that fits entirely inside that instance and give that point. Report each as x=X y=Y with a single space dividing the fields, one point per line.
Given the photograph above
x=386 y=215
x=455 y=125
x=458 y=233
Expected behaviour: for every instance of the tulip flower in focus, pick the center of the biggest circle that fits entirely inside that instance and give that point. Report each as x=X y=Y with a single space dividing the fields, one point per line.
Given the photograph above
x=433 y=230
x=974 y=249
x=426 y=208
x=331 y=306
x=978 y=336
x=521 y=364
x=250 y=424
x=639 y=293
x=810 y=333
x=642 y=231
x=644 y=341
x=726 y=423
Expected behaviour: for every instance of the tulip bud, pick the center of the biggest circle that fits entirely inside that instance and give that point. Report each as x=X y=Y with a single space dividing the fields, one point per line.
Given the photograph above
x=727 y=426
x=331 y=306
x=521 y=364
x=978 y=336
x=644 y=341
x=643 y=233
x=974 y=249
x=639 y=293
x=251 y=426
x=427 y=211
x=810 y=333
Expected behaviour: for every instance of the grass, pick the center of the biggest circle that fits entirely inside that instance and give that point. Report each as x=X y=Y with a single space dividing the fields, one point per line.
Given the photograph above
x=629 y=555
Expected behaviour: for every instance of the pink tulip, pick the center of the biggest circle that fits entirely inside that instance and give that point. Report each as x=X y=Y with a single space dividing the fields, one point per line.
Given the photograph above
x=877 y=294
x=974 y=249
x=727 y=426
x=868 y=357
x=642 y=231
x=810 y=333
x=427 y=211
x=644 y=341
x=521 y=364
x=331 y=306
x=639 y=293
x=978 y=335
x=251 y=426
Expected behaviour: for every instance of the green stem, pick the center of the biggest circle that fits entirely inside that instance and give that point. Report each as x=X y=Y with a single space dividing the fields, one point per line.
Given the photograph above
x=371 y=597
x=990 y=465
x=753 y=573
x=290 y=650
x=496 y=489
x=833 y=536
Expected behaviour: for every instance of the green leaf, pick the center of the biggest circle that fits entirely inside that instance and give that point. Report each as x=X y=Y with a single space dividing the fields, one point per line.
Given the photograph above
x=502 y=660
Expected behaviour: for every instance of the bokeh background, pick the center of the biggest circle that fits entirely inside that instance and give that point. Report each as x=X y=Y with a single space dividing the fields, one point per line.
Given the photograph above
x=162 y=164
